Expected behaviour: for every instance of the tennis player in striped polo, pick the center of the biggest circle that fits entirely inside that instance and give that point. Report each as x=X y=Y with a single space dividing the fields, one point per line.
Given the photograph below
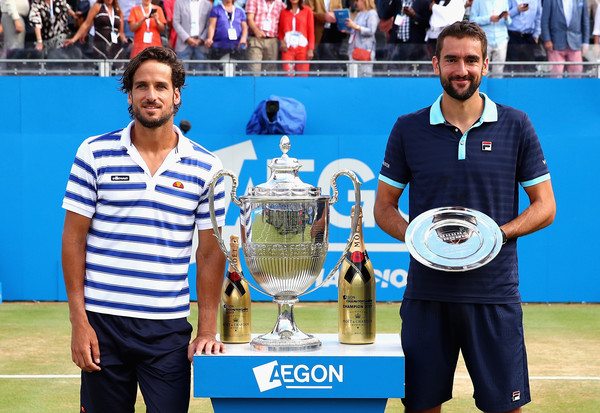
x=133 y=198
x=467 y=151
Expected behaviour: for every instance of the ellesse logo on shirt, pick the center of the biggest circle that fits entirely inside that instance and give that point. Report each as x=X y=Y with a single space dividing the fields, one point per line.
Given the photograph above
x=119 y=178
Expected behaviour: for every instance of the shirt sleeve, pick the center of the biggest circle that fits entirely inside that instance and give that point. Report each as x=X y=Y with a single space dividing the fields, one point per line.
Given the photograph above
x=251 y=7
x=82 y=191
x=35 y=17
x=11 y=9
x=134 y=14
x=372 y=23
x=477 y=15
x=394 y=169
x=281 y=29
x=161 y=15
x=204 y=23
x=531 y=165
x=537 y=31
x=176 y=17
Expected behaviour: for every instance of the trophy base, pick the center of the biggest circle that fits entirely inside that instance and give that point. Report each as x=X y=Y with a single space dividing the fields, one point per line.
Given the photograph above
x=285 y=336
x=286 y=342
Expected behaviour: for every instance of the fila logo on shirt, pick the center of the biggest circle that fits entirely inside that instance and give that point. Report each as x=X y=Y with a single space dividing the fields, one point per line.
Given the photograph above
x=486 y=146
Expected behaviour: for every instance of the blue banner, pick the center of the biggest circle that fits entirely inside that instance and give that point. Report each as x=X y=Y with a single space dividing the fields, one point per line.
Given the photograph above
x=348 y=122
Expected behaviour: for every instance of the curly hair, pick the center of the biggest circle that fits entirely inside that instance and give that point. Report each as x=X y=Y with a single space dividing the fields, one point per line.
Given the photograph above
x=161 y=55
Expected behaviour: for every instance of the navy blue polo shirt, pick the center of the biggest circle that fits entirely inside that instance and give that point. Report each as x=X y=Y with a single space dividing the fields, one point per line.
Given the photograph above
x=480 y=169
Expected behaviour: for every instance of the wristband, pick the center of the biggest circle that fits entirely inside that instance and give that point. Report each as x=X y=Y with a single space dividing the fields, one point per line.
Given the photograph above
x=504 y=239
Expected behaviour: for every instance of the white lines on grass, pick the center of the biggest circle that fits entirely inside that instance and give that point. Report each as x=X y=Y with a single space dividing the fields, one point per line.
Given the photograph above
x=40 y=376
x=547 y=378
x=76 y=376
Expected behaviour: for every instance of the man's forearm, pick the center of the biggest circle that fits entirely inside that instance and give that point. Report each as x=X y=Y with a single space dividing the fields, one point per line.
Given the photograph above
x=74 y=241
x=210 y=269
x=539 y=214
x=386 y=211
x=252 y=24
x=391 y=222
x=73 y=262
x=209 y=295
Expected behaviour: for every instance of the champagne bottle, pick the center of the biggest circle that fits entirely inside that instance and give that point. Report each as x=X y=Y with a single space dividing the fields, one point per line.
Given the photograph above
x=356 y=293
x=235 y=301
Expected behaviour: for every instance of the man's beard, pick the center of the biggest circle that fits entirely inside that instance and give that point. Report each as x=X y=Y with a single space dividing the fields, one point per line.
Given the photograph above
x=452 y=92
x=152 y=123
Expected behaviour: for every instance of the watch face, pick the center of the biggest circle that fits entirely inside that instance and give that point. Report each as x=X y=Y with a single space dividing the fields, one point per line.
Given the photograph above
x=453 y=239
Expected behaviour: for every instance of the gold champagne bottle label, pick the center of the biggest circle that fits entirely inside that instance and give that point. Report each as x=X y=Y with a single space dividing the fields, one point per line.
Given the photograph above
x=356 y=294
x=235 y=301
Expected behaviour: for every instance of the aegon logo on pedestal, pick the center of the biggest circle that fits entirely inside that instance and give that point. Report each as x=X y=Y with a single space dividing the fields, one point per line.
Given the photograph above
x=271 y=375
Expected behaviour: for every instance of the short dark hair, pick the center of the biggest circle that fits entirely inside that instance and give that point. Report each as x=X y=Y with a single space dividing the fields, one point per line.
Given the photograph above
x=161 y=55
x=461 y=30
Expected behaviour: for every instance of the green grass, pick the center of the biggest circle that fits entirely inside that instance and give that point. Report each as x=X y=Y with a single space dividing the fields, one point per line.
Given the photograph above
x=562 y=340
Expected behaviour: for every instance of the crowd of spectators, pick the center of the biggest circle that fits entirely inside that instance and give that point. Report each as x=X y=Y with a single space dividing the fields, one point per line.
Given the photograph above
x=300 y=30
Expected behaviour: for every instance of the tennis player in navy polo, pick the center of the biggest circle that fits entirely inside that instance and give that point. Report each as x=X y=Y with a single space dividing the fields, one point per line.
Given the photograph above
x=133 y=199
x=465 y=150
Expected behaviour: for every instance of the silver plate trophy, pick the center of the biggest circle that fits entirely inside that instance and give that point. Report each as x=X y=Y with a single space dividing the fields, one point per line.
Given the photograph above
x=453 y=239
x=285 y=236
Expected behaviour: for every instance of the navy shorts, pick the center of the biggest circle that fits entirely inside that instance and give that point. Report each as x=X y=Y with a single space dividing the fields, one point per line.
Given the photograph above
x=133 y=351
x=491 y=339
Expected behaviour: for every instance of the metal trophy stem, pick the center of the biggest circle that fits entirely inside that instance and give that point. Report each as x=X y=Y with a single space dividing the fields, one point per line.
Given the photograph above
x=286 y=335
x=285 y=237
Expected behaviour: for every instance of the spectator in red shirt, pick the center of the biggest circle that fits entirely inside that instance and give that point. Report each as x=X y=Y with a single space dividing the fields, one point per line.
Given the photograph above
x=147 y=22
x=297 y=35
x=169 y=6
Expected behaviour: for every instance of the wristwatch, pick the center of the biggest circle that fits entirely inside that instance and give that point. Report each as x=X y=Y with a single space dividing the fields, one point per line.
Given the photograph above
x=504 y=239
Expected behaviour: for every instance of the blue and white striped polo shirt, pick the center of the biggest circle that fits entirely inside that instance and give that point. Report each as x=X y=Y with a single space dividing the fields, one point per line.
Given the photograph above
x=480 y=169
x=140 y=238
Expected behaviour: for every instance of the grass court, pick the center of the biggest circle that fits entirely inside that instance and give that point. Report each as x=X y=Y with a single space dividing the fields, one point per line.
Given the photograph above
x=563 y=344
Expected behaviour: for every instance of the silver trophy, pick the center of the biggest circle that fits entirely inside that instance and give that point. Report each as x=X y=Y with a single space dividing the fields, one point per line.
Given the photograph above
x=285 y=237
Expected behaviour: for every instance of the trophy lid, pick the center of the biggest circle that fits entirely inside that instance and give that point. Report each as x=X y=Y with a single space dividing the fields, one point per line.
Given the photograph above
x=284 y=179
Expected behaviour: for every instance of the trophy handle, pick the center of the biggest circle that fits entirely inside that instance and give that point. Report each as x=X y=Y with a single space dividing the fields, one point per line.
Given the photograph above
x=353 y=225
x=211 y=206
x=213 y=218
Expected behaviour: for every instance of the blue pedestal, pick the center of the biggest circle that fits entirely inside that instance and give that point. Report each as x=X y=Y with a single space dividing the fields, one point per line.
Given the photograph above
x=338 y=377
